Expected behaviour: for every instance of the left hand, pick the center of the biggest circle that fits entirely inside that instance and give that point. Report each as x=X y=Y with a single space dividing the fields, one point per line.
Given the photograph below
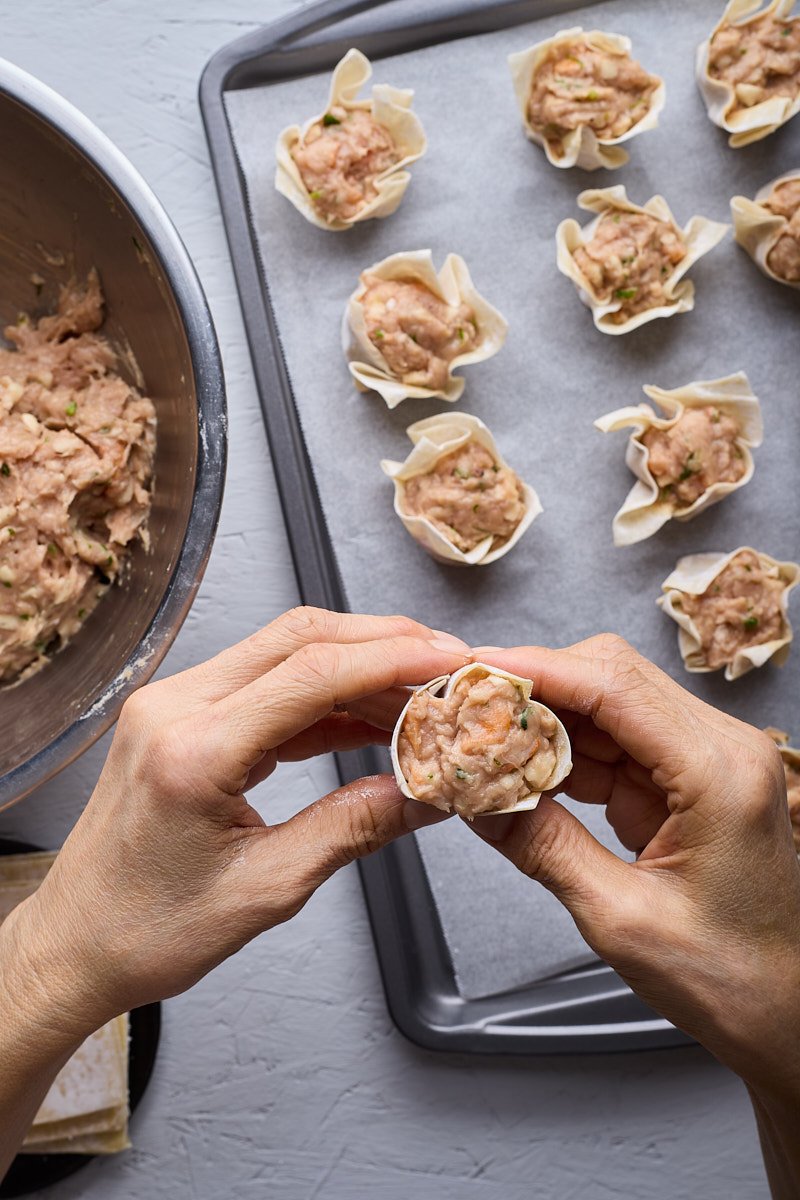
x=169 y=870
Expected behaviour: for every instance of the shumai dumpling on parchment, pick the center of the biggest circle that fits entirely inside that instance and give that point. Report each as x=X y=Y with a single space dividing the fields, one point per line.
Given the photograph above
x=348 y=163
x=581 y=95
x=407 y=328
x=769 y=228
x=748 y=69
x=629 y=263
x=731 y=609
x=688 y=459
x=456 y=495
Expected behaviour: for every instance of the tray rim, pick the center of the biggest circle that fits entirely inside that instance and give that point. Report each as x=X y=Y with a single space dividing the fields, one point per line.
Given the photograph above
x=420 y=988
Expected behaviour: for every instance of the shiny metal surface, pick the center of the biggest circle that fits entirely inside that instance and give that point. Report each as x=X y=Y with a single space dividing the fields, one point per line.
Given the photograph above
x=69 y=201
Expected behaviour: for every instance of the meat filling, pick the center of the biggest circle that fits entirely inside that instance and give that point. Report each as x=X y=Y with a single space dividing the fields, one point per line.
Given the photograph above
x=741 y=608
x=418 y=334
x=699 y=450
x=76 y=454
x=482 y=749
x=340 y=158
x=468 y=497
x=784 y=257
x=759 y=59
x=630 y=258
x=580 y=85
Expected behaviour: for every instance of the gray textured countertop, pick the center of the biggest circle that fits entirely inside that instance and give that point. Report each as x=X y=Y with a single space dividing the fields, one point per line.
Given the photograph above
x=281 y=1074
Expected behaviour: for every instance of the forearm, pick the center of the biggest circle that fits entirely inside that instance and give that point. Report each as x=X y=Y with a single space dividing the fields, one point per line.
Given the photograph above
x=38 y=1033
x=778 y=1121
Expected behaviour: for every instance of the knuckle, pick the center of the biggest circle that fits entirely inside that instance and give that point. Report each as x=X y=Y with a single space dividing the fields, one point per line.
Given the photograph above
x=611 y=646
x=136 y=710
x=316 y=662
x=304 y=622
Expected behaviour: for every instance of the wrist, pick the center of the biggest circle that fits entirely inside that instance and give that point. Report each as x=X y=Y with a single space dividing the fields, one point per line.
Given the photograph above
x=44 y=987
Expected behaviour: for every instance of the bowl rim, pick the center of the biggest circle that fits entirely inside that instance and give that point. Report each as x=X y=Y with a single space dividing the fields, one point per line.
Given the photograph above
x=165 y=242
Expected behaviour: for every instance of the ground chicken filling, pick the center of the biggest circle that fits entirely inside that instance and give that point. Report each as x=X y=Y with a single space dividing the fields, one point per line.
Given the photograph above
x=699 y=450
x=580 y=85
x=76 y=454
x=629 y=261
x=340 y=158
x=468 y=497
x=418 y=334
x=784 y=257
x=482 y=749
x=759 y=59
x=741 y=608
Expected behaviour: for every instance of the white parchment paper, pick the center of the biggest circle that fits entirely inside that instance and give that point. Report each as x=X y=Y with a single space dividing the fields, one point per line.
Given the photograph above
x=487 y=193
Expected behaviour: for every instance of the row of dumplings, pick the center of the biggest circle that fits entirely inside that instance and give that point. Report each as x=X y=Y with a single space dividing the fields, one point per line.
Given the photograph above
x=580 y=95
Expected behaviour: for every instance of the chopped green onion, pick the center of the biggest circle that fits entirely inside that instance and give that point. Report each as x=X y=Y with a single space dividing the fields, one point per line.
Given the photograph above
x=12 y=533
x=6 y=583
x=378 y=333
x=110 y=560
x=315 y=195
x=24 y=616
x=524 y=719
x=475 y=507
x=330 y=119
x=592 y=95
x=71 y=409
x=786 y=32
x=617 y=217
x=5 y=469
x=461 y=474
x=461 y=334
x=52 y=549
x=626 y=293
x=460 y=773
x=81 y=613
x=750 y=622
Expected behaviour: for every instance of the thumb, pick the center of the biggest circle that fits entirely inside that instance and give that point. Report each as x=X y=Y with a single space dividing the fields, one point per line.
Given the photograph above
x=551 y=846
x=347 y=824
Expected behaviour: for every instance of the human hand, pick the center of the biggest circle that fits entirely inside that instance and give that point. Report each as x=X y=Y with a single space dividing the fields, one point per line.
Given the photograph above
x=704 y=925
x=169 y=870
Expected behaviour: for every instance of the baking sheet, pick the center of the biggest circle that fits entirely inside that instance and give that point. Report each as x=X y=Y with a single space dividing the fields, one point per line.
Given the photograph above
x=485 y=192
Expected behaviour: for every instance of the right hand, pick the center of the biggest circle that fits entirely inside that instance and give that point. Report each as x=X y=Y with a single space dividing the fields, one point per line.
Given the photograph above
x=705 y=924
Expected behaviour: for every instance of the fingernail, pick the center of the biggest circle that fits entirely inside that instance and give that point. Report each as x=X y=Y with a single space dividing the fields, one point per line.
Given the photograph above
x=449 y=644
x=487 y=649
x=494 y=829
x=417 y=815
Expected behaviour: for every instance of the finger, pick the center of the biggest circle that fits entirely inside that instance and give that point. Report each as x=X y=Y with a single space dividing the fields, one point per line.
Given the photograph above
x=551 y=846
x=237 y=731
x=636 y=704
x=382 y=709
x=349 y=823
x=334 y=733
x=241 y=664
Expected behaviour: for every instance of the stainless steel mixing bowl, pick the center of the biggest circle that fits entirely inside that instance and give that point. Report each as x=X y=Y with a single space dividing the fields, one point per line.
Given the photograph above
x=69 y=201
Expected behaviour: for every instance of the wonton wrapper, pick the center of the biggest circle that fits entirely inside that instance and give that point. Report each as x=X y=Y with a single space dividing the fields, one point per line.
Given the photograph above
x=390 y=107
x=757 y=228
x=434 y=438
x=454 y=285
x=745 y=124
x=443 y=686
x=692 y=576
x=643 y=512
x=581 y=146
x=700 y=235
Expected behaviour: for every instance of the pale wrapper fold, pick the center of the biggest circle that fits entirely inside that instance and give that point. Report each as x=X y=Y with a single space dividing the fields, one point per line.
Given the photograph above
x=452 y=284
x=644 y=512
x=581 y=147
x=700 y=235
x=443 y=686
x=390 y=107
x=434 y=438
x=757 y=228
x=748 y=122
x=693 y=575
x=788 y=753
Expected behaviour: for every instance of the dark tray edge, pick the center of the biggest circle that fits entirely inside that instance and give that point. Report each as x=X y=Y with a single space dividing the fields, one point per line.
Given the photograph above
x=415 y=965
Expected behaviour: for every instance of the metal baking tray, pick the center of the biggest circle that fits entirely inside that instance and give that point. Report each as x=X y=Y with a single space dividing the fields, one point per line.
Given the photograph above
x=589 y=1009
